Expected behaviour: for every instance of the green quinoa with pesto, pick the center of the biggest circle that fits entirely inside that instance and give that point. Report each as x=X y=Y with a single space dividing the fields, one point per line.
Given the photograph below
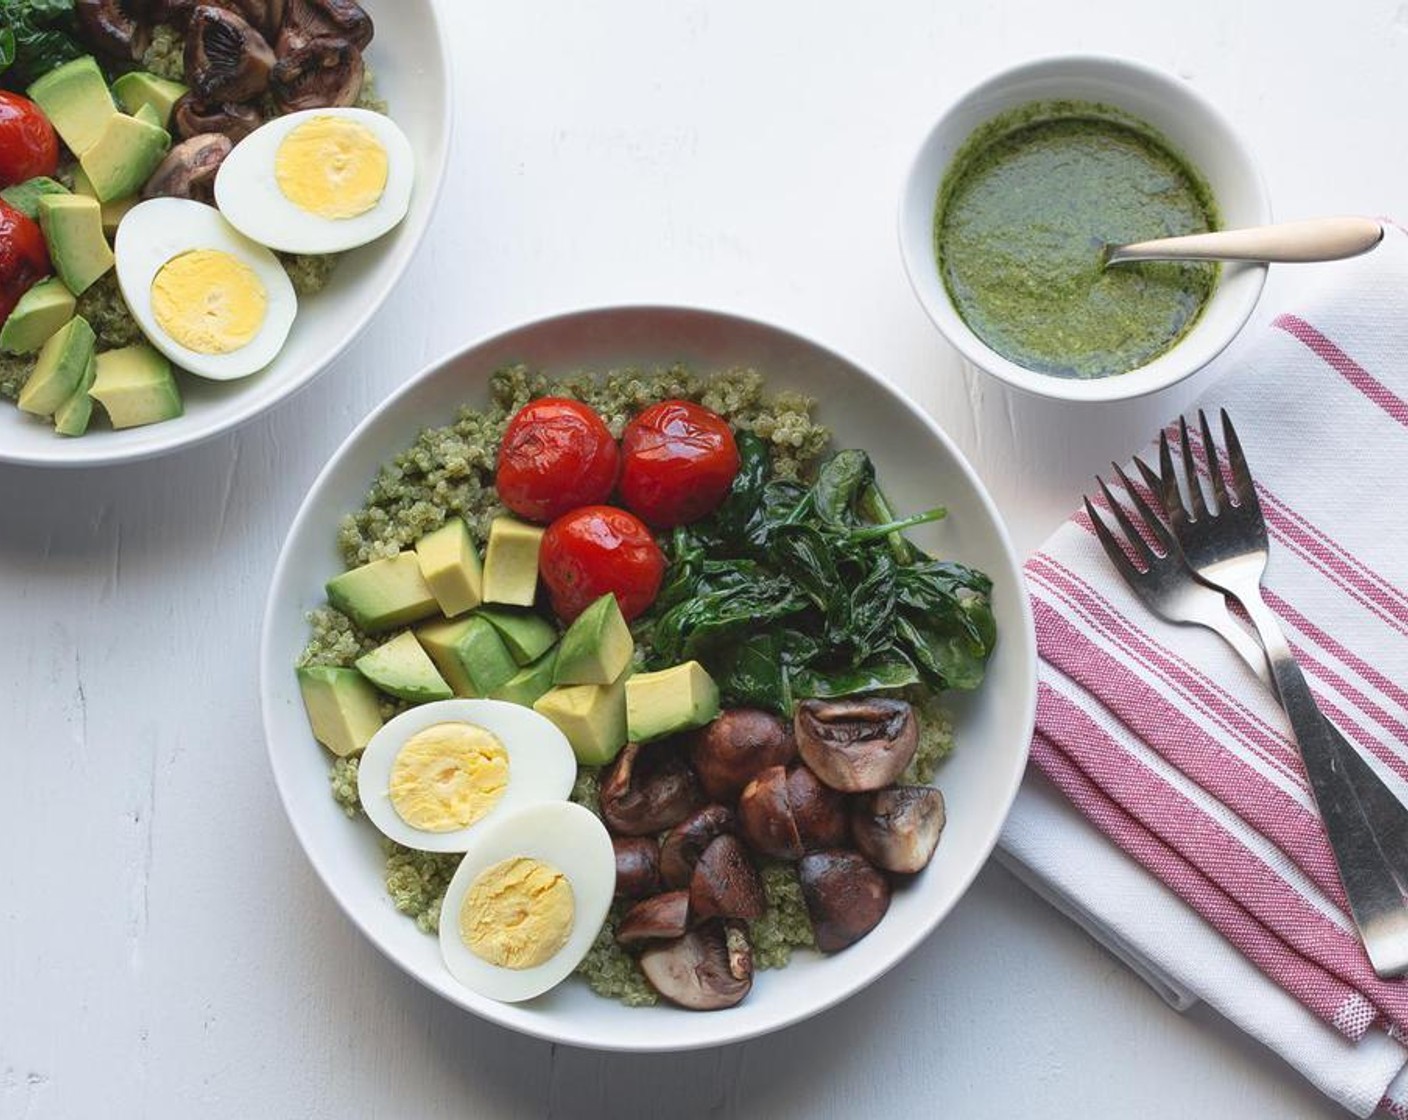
x=449 y=472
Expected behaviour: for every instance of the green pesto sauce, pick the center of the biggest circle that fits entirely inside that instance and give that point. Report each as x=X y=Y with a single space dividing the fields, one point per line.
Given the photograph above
x=1023 y=217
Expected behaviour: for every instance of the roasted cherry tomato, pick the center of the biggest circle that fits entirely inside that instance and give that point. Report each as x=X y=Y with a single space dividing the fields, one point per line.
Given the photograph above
x=556 y=455
x=597 y=549
x=24 y=260
x=678 y=463
x=28 y=146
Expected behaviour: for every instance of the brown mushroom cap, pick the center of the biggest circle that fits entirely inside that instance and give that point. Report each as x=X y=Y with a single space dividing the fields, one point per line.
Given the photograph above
x=320 y=74
x=662 y=916
x=177 y=13
x=725 y=884
x=118 y=28
x=647 y=790
x=265 y=16
x=857 y=745
x=820 y=812
x=729 y=752
x=765 y=815
x=709 y=968
x=226 y=58
x=846 y=897
x=188 y=171
x=192 y=117
x=306 y=20
x=899 y=828
x=683 y=844
x=637 y=866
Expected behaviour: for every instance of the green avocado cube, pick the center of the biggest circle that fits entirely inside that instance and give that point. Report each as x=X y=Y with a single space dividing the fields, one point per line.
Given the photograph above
x=400 y=668
x=136 y=386
x=76 y=100
x=592 y=716
x=121 y=160
x=530 y=683
x=140 y=91
x=25 y=196
x=113 y=212
x=40 y=312
x=669 y=701
x=72 y=417
x=511 y=562
x=450 y=565
x=59 y=370
x=73 y=229
x=383 y=594
x=597 y=646
x=469 y=653
x=527 y=634
x=342 y=707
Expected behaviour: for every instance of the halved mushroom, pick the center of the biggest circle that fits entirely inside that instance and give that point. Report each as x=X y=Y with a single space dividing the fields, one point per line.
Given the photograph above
x=265 y=16
x=685 y=843
x=725 y=884
x=857 y=745
x=177 y=13
x=845 y=896
x=226 y=58
x=734 y=748
x=783 y=813
x=192 y=117
x=188 y=171
x=661 y=917
x=119 y=28
x=306 y=20
x=637 y=866
x=707 y=969
x=647 y=790
x=898 y=828
x=318 y=75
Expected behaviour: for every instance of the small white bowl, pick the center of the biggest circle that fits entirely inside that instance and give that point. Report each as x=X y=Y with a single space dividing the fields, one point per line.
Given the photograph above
x=1195 y=129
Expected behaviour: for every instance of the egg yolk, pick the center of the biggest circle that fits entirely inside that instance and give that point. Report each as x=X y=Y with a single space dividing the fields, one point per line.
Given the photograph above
x=517 y=913
x=332 y=168
x=448 y=776
x=209 y=301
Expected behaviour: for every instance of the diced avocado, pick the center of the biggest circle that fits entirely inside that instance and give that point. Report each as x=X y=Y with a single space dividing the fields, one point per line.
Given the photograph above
x=62 y=362
x=450 y=565
x=113 y=212
x=25 y=196
x=596 y=647
x=383 y=594
x=73 y=229
x=121 y=160
x=139 y=90
x=592 y=716
x=136 y=386
x=40 y=312
x=150 y=115
x=342 y=707
x=71 y=418
x=470 y=654
x=529 y=683
x=401 y=668
x=511 y=562
x=527 y=634
x=76 y=100
x=674 y=699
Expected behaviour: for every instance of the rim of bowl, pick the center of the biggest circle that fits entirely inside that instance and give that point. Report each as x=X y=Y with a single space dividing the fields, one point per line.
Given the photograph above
x=1238 y=289
x=501 y=1014
x=75 y=455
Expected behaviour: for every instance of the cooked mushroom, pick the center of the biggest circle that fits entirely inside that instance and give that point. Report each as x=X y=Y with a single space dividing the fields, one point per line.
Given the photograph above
x=683 y=844
x=846 y=897
x=857 y=745
x=725 y=884
x=323 y=73
x=898 y=828
x=306 y=20
x=188 y=171
x=820 y=812
x=226 y=58
x=637 y=866
x=783 y=813
x=647 y=790
x=192 y=117
x=733 y=749
x=663 y=916
x=119 y=28
x=707 y=969
x=177 y=13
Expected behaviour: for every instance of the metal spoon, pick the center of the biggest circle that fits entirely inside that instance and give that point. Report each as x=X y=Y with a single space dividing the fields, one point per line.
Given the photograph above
x=1318 y=239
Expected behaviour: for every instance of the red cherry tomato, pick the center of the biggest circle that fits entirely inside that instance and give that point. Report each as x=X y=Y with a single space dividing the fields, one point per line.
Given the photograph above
x=679 y=460
x=597 y=549
x=557 y=455
x=28 y=146
x=24 y=259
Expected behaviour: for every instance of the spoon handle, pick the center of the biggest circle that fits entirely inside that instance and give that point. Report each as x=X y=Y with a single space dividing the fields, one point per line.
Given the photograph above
x=1318 y=239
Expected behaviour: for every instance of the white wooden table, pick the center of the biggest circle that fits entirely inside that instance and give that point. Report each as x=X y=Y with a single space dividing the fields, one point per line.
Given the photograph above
x=165 y=949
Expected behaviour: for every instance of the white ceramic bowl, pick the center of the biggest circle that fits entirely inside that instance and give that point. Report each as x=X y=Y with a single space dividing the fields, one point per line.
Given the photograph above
x=411 y=61
x=919 y=466
x=1194 y=127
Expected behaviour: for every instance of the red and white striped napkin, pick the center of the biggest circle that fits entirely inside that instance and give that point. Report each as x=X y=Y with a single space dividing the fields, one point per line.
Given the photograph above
x=1186 y=838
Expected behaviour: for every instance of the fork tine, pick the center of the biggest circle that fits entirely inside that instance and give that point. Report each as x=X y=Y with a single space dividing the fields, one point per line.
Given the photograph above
x=1197 y=505
x=1111 y=546
x=1136 y=540
x=1168 y=482
x=1242 y=483
x=1151 y=519
x=1219 y=488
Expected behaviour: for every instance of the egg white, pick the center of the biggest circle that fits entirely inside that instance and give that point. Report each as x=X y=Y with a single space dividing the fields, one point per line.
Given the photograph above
x=154 y=232
x=562 y=834
x=541 y=766
x=247 y=190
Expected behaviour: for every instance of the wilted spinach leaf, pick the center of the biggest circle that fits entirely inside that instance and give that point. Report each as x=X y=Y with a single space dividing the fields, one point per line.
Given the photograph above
x=35 y=37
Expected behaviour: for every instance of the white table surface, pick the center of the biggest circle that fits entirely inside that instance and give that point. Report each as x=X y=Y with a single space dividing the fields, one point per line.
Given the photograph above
x=164 y=947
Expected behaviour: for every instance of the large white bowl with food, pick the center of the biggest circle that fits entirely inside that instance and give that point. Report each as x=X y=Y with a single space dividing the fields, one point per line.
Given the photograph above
x=410 y=59
x=919 y=467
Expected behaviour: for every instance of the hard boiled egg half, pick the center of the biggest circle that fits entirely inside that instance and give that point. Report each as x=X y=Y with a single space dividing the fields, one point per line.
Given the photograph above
x=434 y=775
x=211 y=300
x=528 y=900
x=318 y=181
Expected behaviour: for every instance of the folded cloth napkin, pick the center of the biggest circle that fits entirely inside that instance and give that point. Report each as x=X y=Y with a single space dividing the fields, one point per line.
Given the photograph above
x=1214 y=879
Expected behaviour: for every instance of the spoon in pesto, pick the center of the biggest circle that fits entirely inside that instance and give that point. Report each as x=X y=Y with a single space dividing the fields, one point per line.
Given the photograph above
x=1318 y=239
